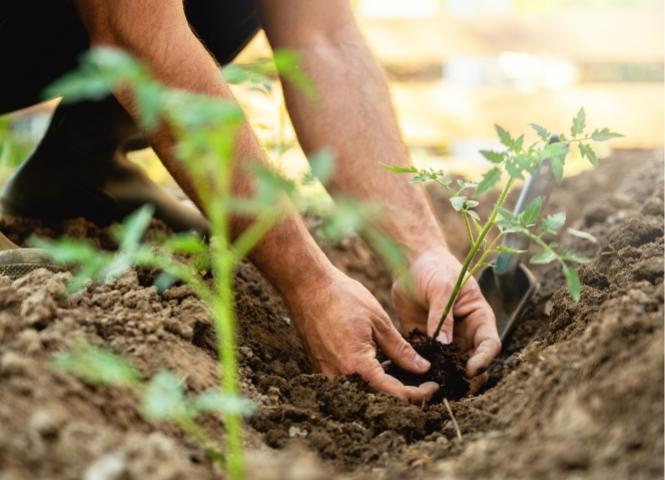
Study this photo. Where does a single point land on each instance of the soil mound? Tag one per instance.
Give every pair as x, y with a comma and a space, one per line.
578, 393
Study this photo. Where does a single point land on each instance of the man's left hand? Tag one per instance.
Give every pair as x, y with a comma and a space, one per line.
421, 296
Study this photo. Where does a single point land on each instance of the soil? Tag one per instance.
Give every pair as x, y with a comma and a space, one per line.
578, 392
448, 367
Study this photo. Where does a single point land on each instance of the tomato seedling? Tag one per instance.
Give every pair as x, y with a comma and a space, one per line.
513, 163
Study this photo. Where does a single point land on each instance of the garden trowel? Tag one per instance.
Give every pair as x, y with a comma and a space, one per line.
508, 284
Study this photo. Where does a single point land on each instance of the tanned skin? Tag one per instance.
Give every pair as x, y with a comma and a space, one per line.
340, 322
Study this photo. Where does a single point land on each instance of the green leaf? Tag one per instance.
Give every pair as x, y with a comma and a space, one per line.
492, 156
322, 165
602, 135
470, 204
134, 227
387, 248
542, 132
458, 202
474, 215
579, 123
504, 136
582, 235
509, 250
97, 366
531, 213
346, 218
573, 282
542, 258
570, 256
187, 243
288, 64
588, 153
552, 223
214, 401
490, 179
164, 398
400, 169
149, 101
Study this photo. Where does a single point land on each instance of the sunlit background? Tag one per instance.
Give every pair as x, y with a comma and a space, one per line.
457, 67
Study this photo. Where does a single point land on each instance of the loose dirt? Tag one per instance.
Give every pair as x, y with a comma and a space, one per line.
578, 393
447, 370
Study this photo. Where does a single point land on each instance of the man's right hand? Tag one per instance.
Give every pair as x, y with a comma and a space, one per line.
341, 324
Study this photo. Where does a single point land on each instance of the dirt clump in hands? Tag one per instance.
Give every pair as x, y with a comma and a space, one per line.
447, 370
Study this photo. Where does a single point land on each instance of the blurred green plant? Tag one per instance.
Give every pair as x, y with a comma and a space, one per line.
205, 129
514, 163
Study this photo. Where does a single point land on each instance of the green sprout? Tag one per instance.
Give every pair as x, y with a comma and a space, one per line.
514, 162
205, 129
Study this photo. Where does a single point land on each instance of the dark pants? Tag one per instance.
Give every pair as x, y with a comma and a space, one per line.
40, 40
79, 168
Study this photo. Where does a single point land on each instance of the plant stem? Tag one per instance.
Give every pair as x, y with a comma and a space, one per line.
462, 279
469, 233
222, 309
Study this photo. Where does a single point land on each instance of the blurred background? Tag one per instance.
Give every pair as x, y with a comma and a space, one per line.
457, 67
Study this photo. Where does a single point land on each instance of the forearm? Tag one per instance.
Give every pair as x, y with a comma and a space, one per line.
355, 118
287, 255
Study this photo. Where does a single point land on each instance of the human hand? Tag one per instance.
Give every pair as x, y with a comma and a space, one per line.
341, 324
420, 297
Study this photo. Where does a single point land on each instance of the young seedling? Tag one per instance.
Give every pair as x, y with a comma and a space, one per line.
205, 129
514, 163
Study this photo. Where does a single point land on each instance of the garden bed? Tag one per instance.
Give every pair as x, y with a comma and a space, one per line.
577, 393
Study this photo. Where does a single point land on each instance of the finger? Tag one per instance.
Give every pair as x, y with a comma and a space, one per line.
446, 334
381, 381
398, 349
476, 383
486, 351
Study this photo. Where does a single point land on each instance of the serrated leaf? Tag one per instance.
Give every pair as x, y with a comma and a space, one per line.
552, 223
579, 123
570, 256
215, 401
531, 213
470, 204
573, 282
514, 169
542, 258
490, 179
400, 169
464, 184
542, 132
474, 215
588, 153
602, 135
97, 366
583, 235
492, 156
163, 397
504, 136
509, 250
458, 202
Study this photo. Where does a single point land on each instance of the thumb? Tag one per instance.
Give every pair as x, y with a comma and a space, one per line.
399, 350
436, 310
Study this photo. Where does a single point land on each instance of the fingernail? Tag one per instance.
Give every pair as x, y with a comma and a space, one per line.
443, 338
422, 363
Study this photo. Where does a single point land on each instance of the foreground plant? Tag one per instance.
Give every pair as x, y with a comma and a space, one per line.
205, 129
514, 163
